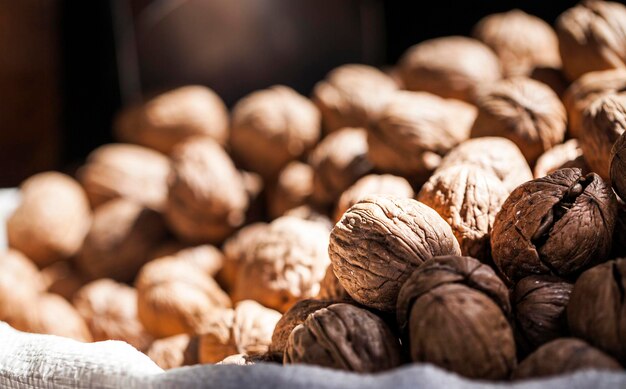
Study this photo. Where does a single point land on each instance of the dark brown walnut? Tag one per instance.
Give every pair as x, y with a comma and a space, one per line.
539, 310
20, 285
51, 220
344, 337
451, 67
568, 154
596, 311
523, 110
63, 278
171, 117
454, 311
591, 37
293, 188
493, 154
331, 289
207, 197
562, 356
378, 243
280, 124
468, 198
338, 161
560, 224
120, 240
617, 167
235, 249
174, 351
521, 41
413, 132
603, 122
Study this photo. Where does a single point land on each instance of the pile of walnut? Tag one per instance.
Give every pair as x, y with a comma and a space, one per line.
462, 210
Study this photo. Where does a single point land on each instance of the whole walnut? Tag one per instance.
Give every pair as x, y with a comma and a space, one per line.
20, 285
603, 122
344, 337
562, 356
378, 243
63, 278
280, 124
568, 154
284, 264
617, 167
120, 240
207, 197
174, 351
245, 330
539, 304
235, 252
591, 37
124, 170
352, 96
331, 289
560, 224
52, 219
293, 188
468, 198
171, 117
596, 310
523, 110
110, 311
494, 154
451, 67
338, 161
521, 41
454, 311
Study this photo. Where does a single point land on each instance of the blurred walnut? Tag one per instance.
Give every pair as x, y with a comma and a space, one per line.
207, 197
617, 168
293, 188
380, 241
591, 37
560, 224
521, 41
171, 117
235, 252
454, 311
451, 67
523, 110
52, 219
174, 351
311, 213
568, 154
331, 289
63, 278
20, 285
352, 96
272, 127
344, 337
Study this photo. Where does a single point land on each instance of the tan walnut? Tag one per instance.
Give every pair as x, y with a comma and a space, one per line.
174, 351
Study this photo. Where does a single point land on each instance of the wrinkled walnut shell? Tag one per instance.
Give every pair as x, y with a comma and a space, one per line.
235, 249
568, 154
174, 351
293, 188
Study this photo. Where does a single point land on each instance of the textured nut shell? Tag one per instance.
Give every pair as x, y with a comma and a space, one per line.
279, 122
20, 285
174, 351
380, 241
451, 67
62, 278
523, 110
171, 117
617, 168
235, 249
293, 188
345, 337
331, 289
123, 170
52, 219
568, 154
207, 198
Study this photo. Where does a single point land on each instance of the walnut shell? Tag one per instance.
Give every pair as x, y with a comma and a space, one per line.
331, 289
451, 67
235, 252
123, 170
20, 285
523, 110
560, 224
171, 117
344, 337
293, 188
174, 351
380, 241
617, 168
591, 37
207, 198
521, 41
63, 278
568, 154
52, 219
280, 123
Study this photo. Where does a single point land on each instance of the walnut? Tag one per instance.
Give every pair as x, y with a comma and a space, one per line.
247, 329
280, 123
380, 241
235, 252
331, 289
120, 240
454, 310
285, 263
352, 95
591, 37
451, 67
560, 224
171, 117
562, 356
523, 110
63, 278
568, 154
20, 285
617, 166
345, 337
338, 161
521, 41
52, 219
293, 188
110, 311
207, 198
174, 351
